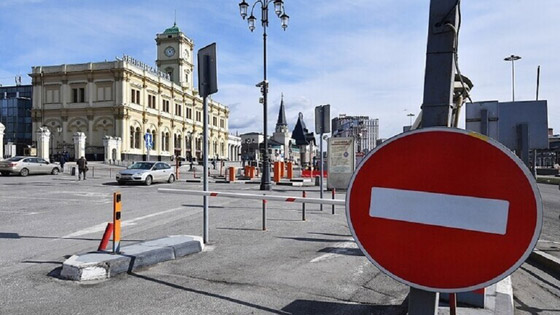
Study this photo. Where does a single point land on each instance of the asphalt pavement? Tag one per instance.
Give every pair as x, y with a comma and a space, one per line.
294, 267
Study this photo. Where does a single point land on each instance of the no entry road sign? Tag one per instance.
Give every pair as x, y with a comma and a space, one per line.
444, 210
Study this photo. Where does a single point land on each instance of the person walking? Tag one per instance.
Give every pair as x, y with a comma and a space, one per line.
82, 167
62, 162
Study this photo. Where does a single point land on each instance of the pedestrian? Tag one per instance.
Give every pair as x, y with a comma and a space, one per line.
62, 161
82, 167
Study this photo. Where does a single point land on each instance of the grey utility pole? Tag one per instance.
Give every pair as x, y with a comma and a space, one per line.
437, 103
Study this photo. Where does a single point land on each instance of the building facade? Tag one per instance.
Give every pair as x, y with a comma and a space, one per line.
15, 115
364, 130
124, 99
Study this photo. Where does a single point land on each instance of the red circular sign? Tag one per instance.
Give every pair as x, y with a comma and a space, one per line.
444, 210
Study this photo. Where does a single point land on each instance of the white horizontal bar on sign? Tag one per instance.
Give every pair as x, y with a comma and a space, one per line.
452, 211
336, 202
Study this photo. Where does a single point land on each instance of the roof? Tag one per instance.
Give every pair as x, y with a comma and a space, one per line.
172, 30
301, 134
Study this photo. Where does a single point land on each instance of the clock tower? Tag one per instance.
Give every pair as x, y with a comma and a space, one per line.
175, 56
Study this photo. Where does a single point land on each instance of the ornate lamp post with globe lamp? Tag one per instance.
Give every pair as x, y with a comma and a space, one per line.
279, 10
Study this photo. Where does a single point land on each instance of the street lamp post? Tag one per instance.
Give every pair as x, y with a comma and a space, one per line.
279, 10
512, 58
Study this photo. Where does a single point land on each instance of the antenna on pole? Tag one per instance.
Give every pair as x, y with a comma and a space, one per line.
175, 19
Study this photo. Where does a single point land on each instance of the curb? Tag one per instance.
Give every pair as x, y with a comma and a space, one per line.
546, 260
103, 265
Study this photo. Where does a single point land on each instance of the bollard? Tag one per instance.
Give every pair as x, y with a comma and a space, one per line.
277, 172
110, 173
92, 172
290, 170
231, 173
333, 193
264, 215
106, 237
116, 222
303, 207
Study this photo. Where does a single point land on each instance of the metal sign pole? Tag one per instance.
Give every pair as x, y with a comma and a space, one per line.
437, 103
321, 168
205, 168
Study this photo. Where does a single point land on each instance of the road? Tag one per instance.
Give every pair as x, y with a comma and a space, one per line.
294, 267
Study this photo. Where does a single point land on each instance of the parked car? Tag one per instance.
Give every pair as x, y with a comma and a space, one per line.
25, 165
146, 172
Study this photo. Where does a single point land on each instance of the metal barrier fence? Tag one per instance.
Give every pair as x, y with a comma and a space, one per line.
303, 200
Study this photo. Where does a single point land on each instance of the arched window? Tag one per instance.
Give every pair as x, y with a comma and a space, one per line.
222, 152
154, 139
137, 136
167, 141
132, 137
178, 143
162, 141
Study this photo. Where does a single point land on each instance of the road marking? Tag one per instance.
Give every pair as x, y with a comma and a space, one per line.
101, 227
452, 211
338, 249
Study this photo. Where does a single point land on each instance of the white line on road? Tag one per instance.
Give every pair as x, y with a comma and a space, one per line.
101, 227
452, 211
339, 249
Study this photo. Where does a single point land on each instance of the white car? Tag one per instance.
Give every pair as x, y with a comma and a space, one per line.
25, 165
146, 172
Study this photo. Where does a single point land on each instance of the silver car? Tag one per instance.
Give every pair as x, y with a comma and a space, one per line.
25, 165
146, 172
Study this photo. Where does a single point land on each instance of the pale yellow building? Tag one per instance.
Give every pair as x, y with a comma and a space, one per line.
124, 99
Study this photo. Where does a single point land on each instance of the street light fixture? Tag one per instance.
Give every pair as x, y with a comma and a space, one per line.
279, 10
512, 58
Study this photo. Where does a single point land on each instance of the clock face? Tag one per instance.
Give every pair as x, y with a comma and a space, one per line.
169, 51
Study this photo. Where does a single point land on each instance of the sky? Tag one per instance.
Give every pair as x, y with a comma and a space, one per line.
363, 57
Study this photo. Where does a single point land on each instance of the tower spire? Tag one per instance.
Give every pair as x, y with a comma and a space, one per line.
281, 114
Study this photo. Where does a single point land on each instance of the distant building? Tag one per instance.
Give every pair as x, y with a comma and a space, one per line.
364, 130
234, 147
250, 147
281, 141
305, 140
120, 101
15, 115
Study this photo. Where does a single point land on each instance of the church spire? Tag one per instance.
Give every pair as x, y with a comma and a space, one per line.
281, 114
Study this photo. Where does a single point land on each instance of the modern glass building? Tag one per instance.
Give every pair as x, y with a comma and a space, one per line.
15, 115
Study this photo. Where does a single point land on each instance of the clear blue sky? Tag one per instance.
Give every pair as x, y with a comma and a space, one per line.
364, 57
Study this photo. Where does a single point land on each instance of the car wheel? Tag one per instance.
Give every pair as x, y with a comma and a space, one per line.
54, 171
148, 181
171, 179
24, 172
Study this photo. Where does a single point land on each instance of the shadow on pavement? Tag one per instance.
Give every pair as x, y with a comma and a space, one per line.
323, 307
308, 239
342, 251
214, 295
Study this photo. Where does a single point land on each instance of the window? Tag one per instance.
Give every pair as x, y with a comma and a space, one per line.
132, 137
78, 95
135, 96
53, 95
104, 93
153, 139
222, 123
165, 106
165, 141
151, 101
137, 136
189, 113
214, 121
178, 109
198, 116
